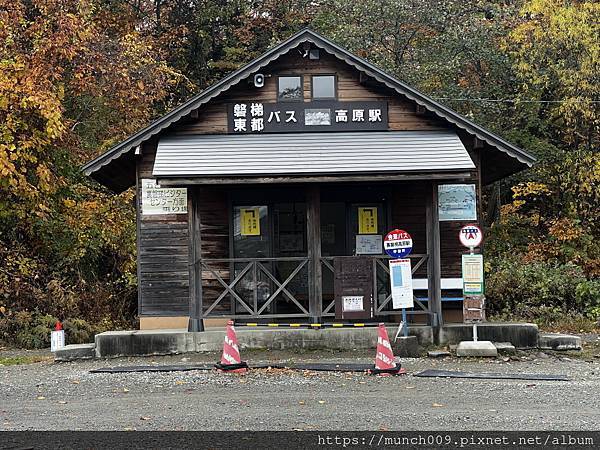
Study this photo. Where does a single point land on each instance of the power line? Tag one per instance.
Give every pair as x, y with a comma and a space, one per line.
494, 100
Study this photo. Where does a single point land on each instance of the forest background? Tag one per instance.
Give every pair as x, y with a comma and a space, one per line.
78, 76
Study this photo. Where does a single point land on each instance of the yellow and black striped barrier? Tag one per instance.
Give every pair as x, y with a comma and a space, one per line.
307, 325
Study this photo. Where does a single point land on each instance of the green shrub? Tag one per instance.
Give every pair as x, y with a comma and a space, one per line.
539, 290
31, 329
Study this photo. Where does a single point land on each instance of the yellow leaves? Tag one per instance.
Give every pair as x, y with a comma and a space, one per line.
556, 51
530, 189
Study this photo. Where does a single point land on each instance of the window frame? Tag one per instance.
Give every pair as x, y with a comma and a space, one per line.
291, 75
335, 86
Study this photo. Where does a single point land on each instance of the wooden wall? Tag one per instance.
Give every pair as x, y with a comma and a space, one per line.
162, 240
402, 113
214, 231
162, 254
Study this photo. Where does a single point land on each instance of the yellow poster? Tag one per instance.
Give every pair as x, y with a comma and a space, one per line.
250, 218
367, 220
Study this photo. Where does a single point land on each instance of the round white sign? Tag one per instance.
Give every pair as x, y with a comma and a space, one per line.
470, 236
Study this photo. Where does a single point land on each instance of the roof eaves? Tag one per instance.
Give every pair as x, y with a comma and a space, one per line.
423, 100
193, 103
353, 60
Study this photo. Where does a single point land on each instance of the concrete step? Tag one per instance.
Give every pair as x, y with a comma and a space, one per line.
505, 348
559, 342
521, 335
476, 349
73, 352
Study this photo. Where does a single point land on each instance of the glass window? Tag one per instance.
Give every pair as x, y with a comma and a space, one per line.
290, 88
323, 86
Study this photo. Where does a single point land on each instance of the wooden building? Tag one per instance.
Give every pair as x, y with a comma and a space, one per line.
264, 195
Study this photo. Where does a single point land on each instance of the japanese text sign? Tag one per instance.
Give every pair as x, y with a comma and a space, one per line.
367, 220
472, 274
401, 283
250, 221
158, 200
289, 117
397, 244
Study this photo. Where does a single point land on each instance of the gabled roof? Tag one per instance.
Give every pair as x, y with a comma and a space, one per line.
99, 168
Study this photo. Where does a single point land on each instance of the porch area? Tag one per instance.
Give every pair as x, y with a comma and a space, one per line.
281, 252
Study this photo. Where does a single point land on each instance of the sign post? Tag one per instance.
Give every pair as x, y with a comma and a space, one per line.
472, 274
473, 292
398, 245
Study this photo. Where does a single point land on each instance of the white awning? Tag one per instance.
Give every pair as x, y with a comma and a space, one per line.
310, 153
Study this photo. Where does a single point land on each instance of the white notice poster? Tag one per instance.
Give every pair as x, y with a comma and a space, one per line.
353, 303
158, 200
369, 244
401, 283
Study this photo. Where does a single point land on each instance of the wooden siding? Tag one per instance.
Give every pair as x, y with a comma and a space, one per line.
163, 240
214, 231
403, 115
162, 254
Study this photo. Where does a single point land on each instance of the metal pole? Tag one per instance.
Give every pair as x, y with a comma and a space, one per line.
474, 332
405, 328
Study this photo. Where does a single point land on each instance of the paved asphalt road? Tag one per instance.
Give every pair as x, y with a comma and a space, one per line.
65, 396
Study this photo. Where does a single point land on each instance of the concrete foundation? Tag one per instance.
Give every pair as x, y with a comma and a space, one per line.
559, 342
505, 348
74, 352
521, 335
476, 349
164, 342
406, 347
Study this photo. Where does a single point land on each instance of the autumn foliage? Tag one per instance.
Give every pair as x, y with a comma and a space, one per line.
77, 76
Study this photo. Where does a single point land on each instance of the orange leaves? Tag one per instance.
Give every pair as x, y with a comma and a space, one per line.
564, 229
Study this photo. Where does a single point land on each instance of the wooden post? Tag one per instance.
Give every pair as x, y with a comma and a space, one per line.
434, 290
196, 323
315, 278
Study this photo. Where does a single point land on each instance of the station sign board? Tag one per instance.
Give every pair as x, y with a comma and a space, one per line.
470, 236
472, 274
255, 117
397, 244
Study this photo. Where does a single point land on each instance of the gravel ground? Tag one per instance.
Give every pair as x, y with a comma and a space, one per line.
65, 396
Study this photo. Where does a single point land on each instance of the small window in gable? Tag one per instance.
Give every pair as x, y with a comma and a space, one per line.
289, 88
323, 87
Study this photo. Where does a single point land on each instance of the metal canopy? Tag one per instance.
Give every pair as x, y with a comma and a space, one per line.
310, 153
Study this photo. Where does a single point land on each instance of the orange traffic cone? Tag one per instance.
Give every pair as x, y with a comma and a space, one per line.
384, 359
230, 360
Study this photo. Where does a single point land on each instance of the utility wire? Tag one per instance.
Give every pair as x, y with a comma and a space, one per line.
493, 100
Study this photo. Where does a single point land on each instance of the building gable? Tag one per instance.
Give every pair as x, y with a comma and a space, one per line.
357, 80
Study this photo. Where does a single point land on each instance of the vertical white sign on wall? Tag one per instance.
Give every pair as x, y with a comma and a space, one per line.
401, 283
